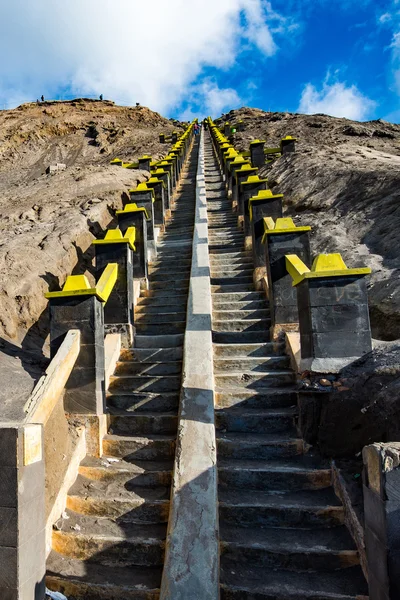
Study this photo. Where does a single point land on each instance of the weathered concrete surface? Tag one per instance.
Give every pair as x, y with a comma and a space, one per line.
192, 555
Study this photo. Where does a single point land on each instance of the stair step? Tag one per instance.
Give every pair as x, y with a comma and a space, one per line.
255, 399
153, 308
138, 474
145, 318
144, 402
142, 383
136, 423
240, 315
149, 447
225, 351
92, 581
241, 337
152, 355
253, 446
104, 498
152, 329
241, 325
156, 369
304, 509
274, 420
252, 583
249, 379
104, 541
248, 363
290, 549
159, 341
273, 476
238, 296
239, 288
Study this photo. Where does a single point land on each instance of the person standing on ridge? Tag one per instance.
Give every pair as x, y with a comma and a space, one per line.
42, 98
101, 97
196, 129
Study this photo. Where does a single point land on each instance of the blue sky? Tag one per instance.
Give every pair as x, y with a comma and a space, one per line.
207, 56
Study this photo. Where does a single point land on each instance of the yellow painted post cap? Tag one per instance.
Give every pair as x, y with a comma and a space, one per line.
78, 285
115, 236
282, 225
132, 207
324, 265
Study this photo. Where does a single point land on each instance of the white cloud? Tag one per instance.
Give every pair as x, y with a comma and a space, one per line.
337, 100
385, 18
212, 99
126, 49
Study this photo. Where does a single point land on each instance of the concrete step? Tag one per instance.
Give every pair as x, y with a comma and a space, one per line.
153, 318
169, 289
135, 423
247, 364
255, 399
252, 583
157, 369
267, 420
240, 338
295, 474
229, 271
162, 307
222, 247
238, 279
151, 299
220, 306
249, 379
110, 500
223, 351
229, 288
230, 263
242, 325
168, 275
152, 355
143, 383
92, 581
240, 315
170, 283
141, 473
104, 541
238, 296
289, 549
157, 329
256, 446
159, 341
150, 447
304, 509
230, 255
144, 402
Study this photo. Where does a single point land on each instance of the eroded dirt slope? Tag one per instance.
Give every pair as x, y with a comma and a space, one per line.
344, 181
47, 222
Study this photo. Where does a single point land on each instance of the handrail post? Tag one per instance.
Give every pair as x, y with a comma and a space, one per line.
280, 238
118, 310
264, 204
144, 197
248, 188
137, 217
257, 153
333, 312
85, 390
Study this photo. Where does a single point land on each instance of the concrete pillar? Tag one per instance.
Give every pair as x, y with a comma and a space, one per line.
234, 165
265, 204
247, 189
159, 204
164, 176
133, 216
174, 137
333, 312
118, 310
162, 138
227, 128
257, 154
381, 513
144, 197
241, 174
22, 512
168, 165
281, 238
288, 144
78, 306
144, 163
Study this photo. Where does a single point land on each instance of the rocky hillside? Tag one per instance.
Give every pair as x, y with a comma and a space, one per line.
344, 180
47, 222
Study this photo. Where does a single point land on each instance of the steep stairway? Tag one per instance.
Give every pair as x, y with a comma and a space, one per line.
110, 545
282, 535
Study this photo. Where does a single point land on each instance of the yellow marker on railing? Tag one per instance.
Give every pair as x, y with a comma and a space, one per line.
115, 236
324, 265
116, 161
78, 285
142, 188
132, 207
282, 225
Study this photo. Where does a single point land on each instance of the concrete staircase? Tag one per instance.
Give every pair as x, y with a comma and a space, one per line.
110, 545
282, 535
